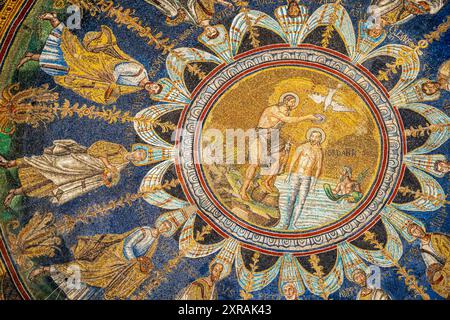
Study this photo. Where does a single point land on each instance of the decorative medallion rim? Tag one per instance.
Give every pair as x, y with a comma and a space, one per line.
306, 241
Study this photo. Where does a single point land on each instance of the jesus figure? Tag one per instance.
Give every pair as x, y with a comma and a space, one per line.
304, 170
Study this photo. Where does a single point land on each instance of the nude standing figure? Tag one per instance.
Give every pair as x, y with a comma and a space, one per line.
303, 177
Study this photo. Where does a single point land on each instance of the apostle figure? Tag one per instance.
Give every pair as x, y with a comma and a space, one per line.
304, 171
204, 11
96, 69
385, 13
68, 170
203, 288
117, 263
366, 293
442, 82
435, 250
197, 12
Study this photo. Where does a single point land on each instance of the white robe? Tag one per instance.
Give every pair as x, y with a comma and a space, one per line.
378, 294
435, 5
444, 74
68, 166
130, 74
138, 243
170, 8
386, 6
428, 254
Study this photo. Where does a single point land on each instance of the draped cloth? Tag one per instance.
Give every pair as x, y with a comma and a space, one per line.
440, 244
435, 5
200, 289
196, 10
413, 93
68, 170
168, 7
204, 9
101, 263
375, 294
51, 59
394, 12
444, 75
92, 65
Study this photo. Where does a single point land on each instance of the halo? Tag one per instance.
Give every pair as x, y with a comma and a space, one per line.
297, 99
311, 130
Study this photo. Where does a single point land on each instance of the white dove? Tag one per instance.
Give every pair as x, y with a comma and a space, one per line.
329, 102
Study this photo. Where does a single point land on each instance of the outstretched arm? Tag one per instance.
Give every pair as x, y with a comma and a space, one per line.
107, 164
337, 189
287, 119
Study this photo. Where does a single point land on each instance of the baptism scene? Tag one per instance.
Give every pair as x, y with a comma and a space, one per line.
224, 150
341, 164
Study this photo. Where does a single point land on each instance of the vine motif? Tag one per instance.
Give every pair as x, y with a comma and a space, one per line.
160, 276
428, 129
417, 194
31, 106
68, 223
410, 281
314, 260
404, 54
252, 31
38, 106
245, 293
328, 32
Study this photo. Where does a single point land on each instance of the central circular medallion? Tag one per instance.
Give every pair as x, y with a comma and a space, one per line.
259, 146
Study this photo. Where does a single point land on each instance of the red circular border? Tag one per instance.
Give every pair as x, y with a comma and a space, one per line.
291, 235
4, 50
